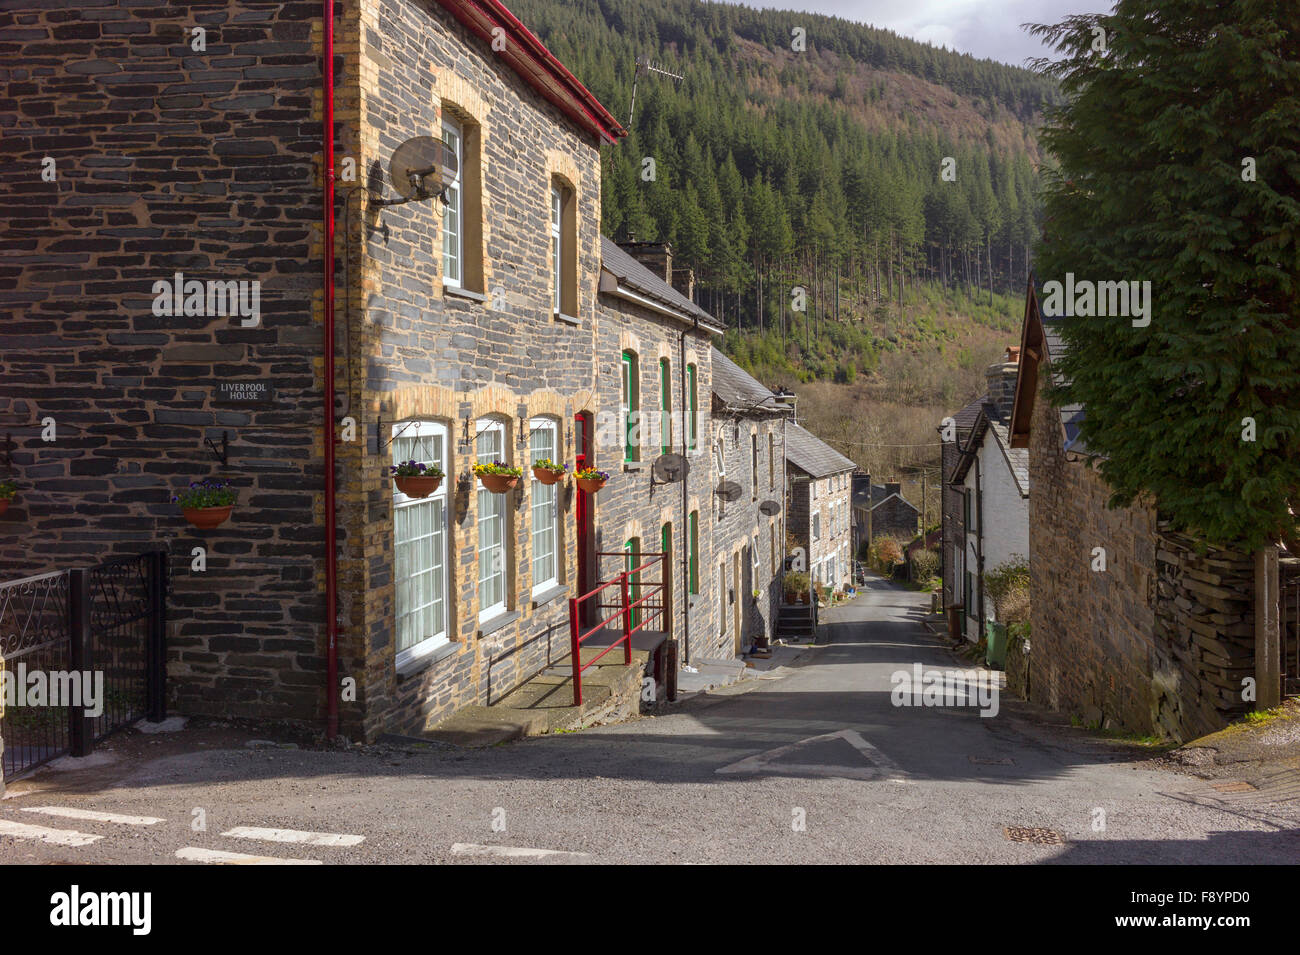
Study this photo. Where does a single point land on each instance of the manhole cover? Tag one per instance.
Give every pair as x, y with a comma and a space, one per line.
992, 760
1039, 837
1233, 786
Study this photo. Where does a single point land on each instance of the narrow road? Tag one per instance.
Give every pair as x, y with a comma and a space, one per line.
817, 767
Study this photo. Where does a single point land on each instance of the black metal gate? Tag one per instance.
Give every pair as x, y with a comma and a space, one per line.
1289, 624
98, 635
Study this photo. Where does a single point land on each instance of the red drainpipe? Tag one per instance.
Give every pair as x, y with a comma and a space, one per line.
331, 569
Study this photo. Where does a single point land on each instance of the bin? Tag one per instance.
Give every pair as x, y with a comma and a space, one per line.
995, 634
954, 621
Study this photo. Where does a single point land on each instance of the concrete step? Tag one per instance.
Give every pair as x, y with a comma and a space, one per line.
544, 704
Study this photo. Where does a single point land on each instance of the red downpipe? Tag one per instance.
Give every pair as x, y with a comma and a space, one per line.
331, 568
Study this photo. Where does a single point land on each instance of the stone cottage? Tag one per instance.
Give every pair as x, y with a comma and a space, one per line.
881, 510
819, 523
992, 479
750, 425
1134, 627
478, 315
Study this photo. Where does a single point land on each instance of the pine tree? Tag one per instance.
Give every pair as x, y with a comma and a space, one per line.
1155, 146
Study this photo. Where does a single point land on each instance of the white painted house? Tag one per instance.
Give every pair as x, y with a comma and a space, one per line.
993, 479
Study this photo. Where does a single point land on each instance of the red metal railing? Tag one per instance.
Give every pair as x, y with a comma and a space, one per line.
646, 604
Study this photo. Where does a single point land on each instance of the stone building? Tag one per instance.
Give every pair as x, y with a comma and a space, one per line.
1134, 626
481, 318
993, 480
750, 425
953, 506
819, 522
881, 510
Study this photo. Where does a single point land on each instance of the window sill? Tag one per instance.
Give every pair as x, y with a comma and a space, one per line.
499, 622
549, 595
458, 292
413, 667
567, 319
633, 465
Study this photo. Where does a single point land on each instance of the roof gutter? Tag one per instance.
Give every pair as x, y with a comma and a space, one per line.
611, 286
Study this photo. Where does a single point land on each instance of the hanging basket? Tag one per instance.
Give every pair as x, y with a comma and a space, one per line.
591, 485
498, 483
206, 518
547, 476
417, 486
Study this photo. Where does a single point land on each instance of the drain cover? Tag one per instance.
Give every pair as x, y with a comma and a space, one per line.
1233, 786
1039, 837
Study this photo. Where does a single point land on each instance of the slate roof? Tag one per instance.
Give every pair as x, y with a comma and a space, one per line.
1017, 459
812, 455
1071, 415
740, 390
634, 276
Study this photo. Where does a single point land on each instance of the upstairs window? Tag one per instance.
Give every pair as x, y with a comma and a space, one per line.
771, 461
564, 250
630, 407
665, 406
753, 467
817, 527
693, 418
453, 214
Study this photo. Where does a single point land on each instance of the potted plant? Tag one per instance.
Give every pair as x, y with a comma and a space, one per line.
591, 480
549, 472
498, 477
206, 504
8, 489
416, 480
795, 584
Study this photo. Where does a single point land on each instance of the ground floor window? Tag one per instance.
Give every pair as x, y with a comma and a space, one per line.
545, 512
490, 445
420, 532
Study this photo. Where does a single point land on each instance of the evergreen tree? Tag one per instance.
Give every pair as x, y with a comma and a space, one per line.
1155, 146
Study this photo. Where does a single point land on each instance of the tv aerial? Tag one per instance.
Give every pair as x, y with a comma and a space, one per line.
421, 168
729, 491
646, 65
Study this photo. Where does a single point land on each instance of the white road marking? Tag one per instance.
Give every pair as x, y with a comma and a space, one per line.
55, 837
880, 766
195, 854
520, 852
93, 816
295, 835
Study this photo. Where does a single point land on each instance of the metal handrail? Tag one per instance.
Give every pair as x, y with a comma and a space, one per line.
623, 610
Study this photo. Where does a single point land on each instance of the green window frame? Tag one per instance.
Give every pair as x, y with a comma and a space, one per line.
693, 398
632, 550
631, 407
694, 536
665, 406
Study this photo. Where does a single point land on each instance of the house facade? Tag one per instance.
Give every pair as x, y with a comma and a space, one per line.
881, 510
1134, 626
953, 503
749, 450
820, 523
483, 319
992, 479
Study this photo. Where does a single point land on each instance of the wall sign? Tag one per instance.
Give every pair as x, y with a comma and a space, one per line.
244, 393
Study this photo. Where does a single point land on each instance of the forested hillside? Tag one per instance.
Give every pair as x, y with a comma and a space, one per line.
774, 167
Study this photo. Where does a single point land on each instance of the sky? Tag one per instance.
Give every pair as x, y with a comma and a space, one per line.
983, 28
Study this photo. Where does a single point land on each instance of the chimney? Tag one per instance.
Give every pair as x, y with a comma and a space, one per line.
655, 256
893, 488
684, 282
1001, 380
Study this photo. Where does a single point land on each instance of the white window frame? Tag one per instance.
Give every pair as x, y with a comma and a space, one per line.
455, 207
485, 500
817, 527
557, 247
423, 431
538, 495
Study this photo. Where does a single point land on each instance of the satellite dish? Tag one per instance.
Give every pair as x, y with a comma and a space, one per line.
729, 490
769, 508
671, 468
422, 167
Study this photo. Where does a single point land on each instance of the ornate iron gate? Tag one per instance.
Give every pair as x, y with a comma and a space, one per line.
105, 622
